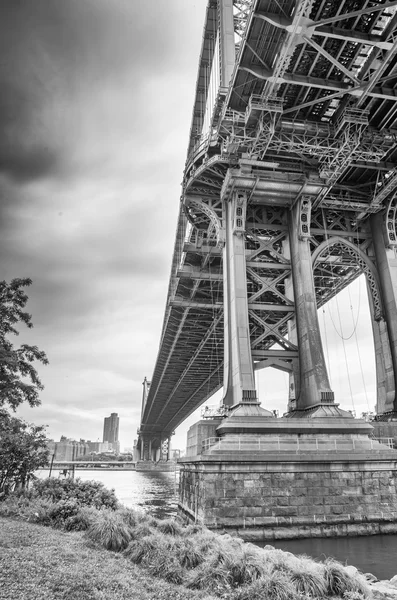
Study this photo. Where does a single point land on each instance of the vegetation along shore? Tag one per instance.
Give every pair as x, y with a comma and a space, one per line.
93, 548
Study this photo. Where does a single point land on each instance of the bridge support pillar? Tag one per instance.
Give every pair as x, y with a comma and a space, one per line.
239, 378
314, 387
385, 331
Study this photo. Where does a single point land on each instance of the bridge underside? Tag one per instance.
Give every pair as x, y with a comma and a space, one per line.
289, 194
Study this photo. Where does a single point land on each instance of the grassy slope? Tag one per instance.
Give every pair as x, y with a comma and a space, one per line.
41, 563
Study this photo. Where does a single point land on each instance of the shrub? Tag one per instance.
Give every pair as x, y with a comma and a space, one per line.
62, 510
85, 517
38, 511
110, 531
86, 493
11, 505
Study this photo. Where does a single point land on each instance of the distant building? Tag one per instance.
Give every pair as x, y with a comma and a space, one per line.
111, 431
99, 447
67, 450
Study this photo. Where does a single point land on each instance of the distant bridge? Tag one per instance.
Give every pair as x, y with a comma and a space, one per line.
289, 194
92, 466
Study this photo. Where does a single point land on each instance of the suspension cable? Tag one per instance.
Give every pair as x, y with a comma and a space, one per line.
326, 346
339, 317
359, 357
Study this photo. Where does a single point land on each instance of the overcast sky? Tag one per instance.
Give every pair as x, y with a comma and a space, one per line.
95, 107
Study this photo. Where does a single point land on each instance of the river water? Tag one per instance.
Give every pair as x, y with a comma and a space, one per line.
157, 493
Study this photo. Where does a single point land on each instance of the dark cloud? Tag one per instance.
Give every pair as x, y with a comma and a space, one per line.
95, 106
57, 57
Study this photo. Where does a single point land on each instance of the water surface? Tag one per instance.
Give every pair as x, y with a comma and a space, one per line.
376, 554
152, 492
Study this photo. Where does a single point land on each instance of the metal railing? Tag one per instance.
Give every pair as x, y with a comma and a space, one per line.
293, 445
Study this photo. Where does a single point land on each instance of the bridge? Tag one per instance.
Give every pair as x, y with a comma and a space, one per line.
91, 465
289, 194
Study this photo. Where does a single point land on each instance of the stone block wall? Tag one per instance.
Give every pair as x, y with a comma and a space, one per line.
297, 498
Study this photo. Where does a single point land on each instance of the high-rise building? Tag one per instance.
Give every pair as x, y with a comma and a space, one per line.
111, 431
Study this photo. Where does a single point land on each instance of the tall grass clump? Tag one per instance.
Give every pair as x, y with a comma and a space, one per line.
309, 583
170, 527
162, 562
82, 520
145, 548
211, 575
188, 553
245, 566
339, 581
142, 530
110, 531
272, 586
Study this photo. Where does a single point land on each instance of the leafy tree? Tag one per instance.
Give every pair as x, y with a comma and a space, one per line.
19, 381
23, 450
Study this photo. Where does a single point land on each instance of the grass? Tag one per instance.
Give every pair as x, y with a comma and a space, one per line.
110, 531
339, 581
192, 558
41, 563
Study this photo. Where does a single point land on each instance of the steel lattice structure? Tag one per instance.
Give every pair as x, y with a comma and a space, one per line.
305, 115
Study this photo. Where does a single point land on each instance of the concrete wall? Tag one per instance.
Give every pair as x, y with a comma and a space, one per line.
385, 429
202, 430
291, 499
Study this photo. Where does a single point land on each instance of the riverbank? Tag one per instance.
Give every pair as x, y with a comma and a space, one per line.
48, 564
192, 558
51, 564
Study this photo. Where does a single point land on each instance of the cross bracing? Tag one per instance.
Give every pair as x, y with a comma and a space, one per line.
309, 115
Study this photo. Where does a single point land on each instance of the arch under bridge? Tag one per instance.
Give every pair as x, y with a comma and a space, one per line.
289, 194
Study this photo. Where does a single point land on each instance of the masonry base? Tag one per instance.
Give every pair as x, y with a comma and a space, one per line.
297, 496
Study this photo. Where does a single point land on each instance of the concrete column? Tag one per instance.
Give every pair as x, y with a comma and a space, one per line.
314, 383
239, 378
294, 376
169, 449
144, 448
383, 360
137, 452
386, 263
150, 457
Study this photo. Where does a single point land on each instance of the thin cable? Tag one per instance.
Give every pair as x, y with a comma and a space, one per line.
359, 359
347, 364
351, 308
326, 347
339, 317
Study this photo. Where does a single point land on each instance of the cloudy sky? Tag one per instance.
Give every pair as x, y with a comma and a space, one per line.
95, 108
